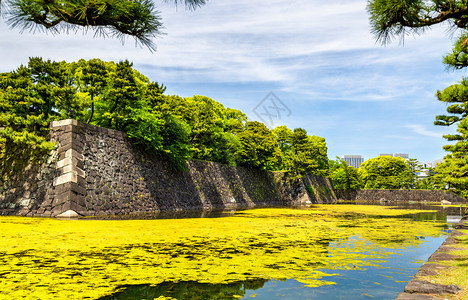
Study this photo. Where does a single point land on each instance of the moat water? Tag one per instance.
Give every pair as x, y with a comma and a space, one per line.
322, 252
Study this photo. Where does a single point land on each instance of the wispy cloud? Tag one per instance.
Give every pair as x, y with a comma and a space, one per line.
318, 56
420, 129
297, 43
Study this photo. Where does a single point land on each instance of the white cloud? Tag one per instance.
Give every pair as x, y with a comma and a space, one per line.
420, 129
319, 56
239, 41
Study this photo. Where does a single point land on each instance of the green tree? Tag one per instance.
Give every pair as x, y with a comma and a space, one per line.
113, 95
393, 18
123, 98
386, 172
116, 96
344, 177
92, 77
30, 98
415, 168
174, 131
136, 18
456, 95
454, 170
433, 182
259, 147
308, 154
396, 18
283, 137
214, 128
206, 119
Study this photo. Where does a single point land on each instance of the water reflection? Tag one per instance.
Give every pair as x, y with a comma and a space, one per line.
191, 214
189, 290
451, 213
384, 281
303, 252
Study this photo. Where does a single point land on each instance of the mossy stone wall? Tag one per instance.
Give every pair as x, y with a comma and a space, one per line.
399, 195
98, 171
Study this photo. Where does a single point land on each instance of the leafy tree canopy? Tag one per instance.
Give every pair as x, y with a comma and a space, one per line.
119, 18
259, 147
393, 18
396, 18
344, 177
386, 172
308, 153
116, 96
113, 95
454, 169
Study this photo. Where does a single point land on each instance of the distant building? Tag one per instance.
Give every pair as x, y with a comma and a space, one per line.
436, 162
353, 160
386, 155
427, 165
424, 173
426, 169
402, 155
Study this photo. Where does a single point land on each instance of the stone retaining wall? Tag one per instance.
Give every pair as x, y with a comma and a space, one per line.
98, 171
399, 195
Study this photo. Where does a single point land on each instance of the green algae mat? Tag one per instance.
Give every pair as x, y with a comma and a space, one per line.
89, 259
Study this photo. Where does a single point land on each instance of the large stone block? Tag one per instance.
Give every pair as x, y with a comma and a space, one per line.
64, 123
71, 169
71, 153
66, 145
66, 178
68, 214
70, 186
75, 207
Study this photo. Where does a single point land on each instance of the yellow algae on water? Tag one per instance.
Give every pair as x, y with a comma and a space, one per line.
76, 259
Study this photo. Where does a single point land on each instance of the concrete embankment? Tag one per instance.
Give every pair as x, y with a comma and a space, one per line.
98, 171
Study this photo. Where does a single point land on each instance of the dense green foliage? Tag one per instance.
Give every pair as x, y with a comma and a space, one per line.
259, 147
116, 96
30, 98
344, 177
300, 152
386, 172
454, 170
391, 18
138, 19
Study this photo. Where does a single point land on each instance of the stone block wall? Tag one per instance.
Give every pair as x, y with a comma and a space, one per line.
400, 195
99, 171
69, 183
26, 193
122, 177
311, 189
46, 189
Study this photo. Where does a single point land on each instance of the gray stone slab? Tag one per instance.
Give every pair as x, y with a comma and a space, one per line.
430, 269
445, 248
64, 123
441, 256
406, 296
425, 287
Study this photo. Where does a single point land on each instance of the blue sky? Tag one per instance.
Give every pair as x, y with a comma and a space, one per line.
318, 57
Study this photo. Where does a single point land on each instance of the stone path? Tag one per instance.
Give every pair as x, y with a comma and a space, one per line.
420, 289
